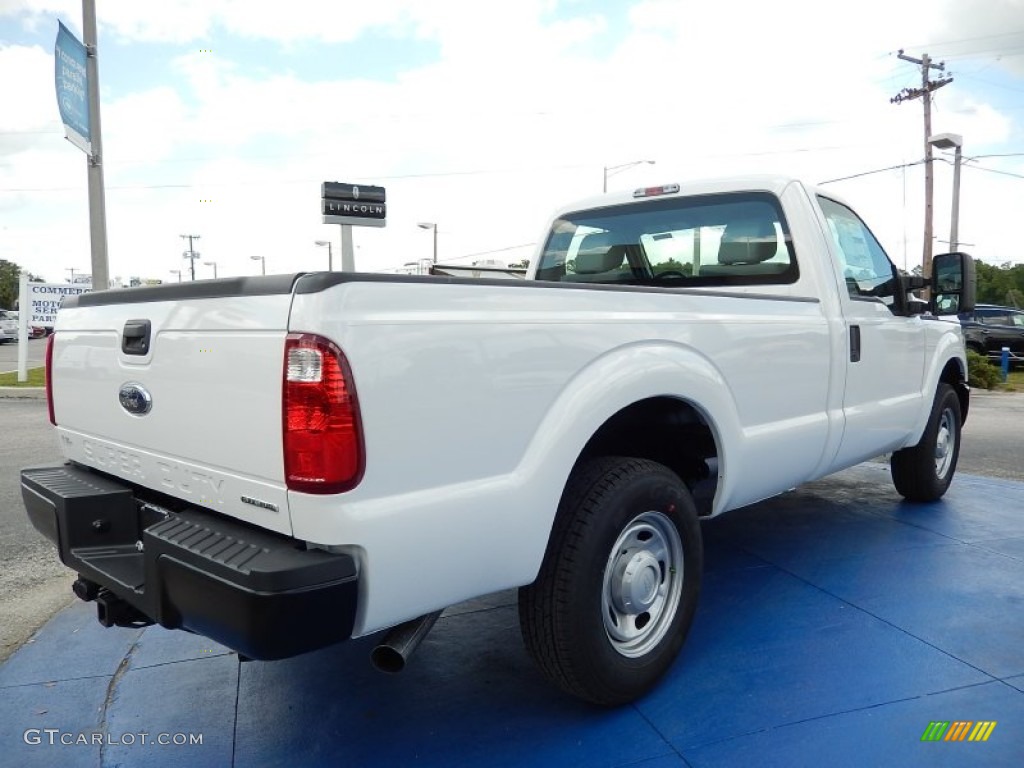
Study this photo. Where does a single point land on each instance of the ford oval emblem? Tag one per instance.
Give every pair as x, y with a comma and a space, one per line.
135, 399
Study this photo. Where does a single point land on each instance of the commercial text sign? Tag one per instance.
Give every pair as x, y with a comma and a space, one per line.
45, 299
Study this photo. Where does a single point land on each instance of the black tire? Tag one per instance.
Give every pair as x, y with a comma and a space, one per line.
611, 607
924, 472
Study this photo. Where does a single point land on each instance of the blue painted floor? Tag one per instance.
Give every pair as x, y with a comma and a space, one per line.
835, 624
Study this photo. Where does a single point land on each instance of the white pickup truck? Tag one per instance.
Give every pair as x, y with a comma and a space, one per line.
284, 462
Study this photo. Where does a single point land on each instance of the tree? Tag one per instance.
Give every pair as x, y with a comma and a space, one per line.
9, 273
1000, 285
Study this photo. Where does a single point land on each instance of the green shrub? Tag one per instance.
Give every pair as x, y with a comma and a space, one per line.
981, 373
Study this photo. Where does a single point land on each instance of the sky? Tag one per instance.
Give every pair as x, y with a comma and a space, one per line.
221, 118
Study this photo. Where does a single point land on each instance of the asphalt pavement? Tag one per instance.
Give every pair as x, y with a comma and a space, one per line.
993, 438
33, 582
9, 355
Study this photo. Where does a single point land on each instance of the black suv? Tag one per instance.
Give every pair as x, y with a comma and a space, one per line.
989, 328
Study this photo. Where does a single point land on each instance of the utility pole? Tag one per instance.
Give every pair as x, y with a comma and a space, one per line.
191, 254
925, 93
97, 200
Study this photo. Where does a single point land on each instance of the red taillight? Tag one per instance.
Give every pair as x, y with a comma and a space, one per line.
49, 377
323, 439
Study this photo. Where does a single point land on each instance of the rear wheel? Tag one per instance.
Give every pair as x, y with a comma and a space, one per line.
924, 472
618, 588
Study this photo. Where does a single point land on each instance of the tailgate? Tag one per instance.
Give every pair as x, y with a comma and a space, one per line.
212, 375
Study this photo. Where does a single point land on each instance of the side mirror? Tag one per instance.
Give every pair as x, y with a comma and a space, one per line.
953, 284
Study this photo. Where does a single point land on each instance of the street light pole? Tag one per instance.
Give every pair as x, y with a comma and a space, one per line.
954, 226
212, 264
263, 262
616, 168
330, 257
72, 271
177, 272
952, 141
433, 226
191, 253
97, 193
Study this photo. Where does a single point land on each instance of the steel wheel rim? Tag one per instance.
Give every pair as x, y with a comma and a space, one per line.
945, 442
642, 585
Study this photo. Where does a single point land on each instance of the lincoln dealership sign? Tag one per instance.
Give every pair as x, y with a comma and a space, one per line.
352, 204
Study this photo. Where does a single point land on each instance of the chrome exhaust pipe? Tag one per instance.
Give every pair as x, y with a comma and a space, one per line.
399, 644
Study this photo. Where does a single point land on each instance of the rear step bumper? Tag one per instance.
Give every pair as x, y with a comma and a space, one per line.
259, 593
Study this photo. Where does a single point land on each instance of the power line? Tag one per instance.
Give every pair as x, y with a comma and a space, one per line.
996, 53
991, 170
252, 183
998, 154
869, 173
967, 164
992, 83
487, 253
969, 39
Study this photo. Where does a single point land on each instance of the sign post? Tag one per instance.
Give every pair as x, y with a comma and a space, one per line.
23, 327
352, 205
76, 72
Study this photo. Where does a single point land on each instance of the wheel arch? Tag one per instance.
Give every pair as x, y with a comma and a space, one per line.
603, 409
670, 431
947, 364
954, 373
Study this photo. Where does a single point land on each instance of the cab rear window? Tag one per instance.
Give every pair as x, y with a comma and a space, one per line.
739, 239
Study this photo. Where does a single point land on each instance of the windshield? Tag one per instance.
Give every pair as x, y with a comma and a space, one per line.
739, 239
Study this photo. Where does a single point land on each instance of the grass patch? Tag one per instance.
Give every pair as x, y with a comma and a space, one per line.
1014, 383
36, 378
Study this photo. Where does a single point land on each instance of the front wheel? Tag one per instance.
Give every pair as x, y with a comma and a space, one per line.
924, 472
618, 587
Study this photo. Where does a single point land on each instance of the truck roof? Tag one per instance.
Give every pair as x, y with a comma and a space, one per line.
750, 182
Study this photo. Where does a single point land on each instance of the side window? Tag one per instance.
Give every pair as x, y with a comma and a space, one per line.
994, 317
866, 267
1017, 319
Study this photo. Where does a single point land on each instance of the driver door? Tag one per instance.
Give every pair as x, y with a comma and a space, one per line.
885, 347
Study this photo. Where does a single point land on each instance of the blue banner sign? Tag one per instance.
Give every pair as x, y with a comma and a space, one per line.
72, 88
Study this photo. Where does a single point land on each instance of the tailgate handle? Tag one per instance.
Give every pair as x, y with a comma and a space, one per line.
135, 339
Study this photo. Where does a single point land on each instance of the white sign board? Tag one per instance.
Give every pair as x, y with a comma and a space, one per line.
45, 299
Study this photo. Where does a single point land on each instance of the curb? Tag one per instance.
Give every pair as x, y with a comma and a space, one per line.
23, 393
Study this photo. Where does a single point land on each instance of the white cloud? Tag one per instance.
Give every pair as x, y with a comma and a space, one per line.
516, 115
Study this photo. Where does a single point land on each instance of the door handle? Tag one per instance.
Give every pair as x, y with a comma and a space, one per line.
854, 343
135, 338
